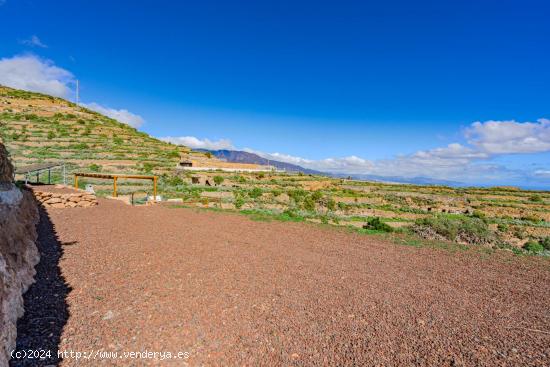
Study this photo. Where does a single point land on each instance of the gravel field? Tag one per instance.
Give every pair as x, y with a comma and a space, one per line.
231, 291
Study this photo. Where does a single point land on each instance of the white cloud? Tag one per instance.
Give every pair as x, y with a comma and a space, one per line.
542, 173
351, 164
197, 143
34, 41
121, 115
509, 137
32, 73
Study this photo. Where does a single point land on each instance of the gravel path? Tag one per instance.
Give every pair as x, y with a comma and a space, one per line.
231, 291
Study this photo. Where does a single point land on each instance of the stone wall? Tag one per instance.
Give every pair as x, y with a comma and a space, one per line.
66, 200
18, 257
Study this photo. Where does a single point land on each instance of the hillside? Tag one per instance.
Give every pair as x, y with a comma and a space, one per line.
38, 128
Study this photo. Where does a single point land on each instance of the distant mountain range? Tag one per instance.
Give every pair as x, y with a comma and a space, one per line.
238, 156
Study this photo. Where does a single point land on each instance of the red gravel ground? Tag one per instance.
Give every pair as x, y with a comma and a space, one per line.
231, 291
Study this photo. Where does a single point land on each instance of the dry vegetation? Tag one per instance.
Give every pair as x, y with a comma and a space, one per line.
38, 128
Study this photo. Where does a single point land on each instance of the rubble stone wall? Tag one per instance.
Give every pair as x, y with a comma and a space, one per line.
72, 200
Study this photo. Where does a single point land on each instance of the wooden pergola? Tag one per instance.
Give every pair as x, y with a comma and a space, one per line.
115, 177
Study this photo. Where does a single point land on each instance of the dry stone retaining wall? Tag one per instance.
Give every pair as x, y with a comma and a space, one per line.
67, 200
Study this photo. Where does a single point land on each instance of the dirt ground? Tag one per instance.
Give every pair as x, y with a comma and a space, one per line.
231, 291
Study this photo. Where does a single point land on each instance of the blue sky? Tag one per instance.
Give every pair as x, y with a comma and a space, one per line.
354, 86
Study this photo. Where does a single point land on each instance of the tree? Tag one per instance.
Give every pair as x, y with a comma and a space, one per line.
218, 180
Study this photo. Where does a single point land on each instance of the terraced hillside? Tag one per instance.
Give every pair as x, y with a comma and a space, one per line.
39, 128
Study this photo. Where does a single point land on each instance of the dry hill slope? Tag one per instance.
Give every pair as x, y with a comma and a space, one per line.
39, 128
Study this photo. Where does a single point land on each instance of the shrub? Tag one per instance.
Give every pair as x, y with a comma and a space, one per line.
117, 140
173, 154
331, 204
471, 230
174, 181
147, 167
276, 192
502, 227
239, 202
94, 167
208, 155
531, 218
536, 198
255, 193
545, 242
534, 247
79, 146
309, 204
218, 180
317, 195
342, 206
478, 214
374, 223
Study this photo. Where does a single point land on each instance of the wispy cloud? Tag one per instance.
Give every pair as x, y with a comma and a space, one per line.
197, 143
33, 41
121, 115
32, 73
35, 74
467, 163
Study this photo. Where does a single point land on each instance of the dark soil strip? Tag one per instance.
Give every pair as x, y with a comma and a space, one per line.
46, 312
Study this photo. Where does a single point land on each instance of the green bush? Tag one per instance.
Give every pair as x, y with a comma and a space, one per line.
174, 181
534, 247
331, 204
545, 242
173, 154
147, 167
536, 198
317, 195
218, 180
472, 230
276, 192
118, 140
255, 193
478, 214
502, 227
94, 167
309, 204
239, 202
374, 223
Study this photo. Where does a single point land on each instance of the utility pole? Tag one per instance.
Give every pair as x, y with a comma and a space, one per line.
77, 91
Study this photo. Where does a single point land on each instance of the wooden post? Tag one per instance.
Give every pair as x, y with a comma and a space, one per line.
155, 189
75, 181
114, 186
49, 176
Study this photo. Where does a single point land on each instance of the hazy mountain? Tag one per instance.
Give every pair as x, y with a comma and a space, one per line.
238, 156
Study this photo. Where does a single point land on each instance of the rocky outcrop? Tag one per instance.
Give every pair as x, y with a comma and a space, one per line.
18, 254
67, 200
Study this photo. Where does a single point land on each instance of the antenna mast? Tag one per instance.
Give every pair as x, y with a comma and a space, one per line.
77, 91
